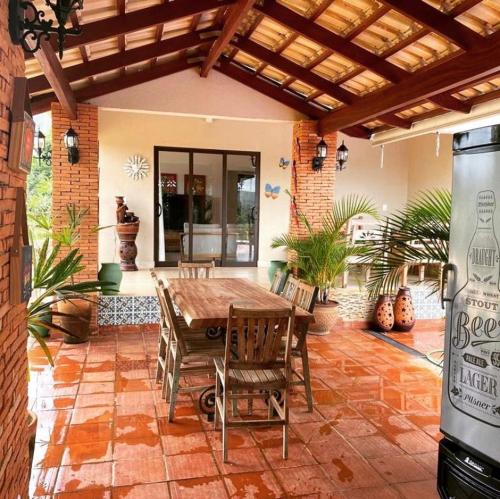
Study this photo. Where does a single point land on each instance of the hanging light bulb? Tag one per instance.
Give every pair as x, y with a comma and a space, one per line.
382, 156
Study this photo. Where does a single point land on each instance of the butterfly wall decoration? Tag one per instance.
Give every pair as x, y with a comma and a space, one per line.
284, 163
272, 192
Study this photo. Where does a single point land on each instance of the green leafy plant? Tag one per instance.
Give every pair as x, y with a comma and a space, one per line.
416, 235
323, 254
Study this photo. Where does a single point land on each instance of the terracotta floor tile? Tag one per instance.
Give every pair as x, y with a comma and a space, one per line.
197, 465
395, 469
99, 367
416, 442
82, 477
429, 461
417, 490
83, 415
238, 439
95, 400
182, 425
132, 385
310, 432
385, 492
374, 446
85, 494
135, 398
185, 444
146, 491
307, 480
89, 432
352, 472
133, 374
139, 448
49, 403
47, 455
298, 455
333, 447
253, 485
198, 488
139, 470
135, 426
356, 427
90, 452
242, 460
136, 410
42, 481
98, 376
51, 435
99, 387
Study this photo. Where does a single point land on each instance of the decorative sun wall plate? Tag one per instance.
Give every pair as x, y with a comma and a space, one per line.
137, 167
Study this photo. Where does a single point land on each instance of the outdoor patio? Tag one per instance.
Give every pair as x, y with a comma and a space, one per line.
103, 430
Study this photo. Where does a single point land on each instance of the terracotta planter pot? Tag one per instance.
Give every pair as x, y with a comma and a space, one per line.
79, 322
404, 313
383, 315
325, 318
32, 424
127, 234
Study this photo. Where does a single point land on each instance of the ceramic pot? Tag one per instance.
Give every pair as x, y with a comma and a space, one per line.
128, 250
110, 273
32, 424
43, 331
273, 267
383, 315
78, 321
404, 313
325, 318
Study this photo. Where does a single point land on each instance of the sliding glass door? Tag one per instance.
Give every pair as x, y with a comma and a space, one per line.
206, 206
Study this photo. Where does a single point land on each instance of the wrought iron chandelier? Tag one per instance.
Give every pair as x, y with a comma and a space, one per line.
28, 26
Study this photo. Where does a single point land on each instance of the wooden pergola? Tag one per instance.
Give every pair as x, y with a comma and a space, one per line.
360, 66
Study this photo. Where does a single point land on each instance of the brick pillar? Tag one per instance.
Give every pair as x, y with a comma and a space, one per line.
78, 183
314, 192
13, 335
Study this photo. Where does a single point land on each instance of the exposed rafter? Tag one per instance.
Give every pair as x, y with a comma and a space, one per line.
238, 11
42, 103
51, 66
479, 62
130, 57
436, 21
141, 19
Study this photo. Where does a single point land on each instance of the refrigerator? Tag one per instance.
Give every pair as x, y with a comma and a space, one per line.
469, 454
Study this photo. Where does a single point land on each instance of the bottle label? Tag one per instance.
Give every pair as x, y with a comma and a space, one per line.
474, 356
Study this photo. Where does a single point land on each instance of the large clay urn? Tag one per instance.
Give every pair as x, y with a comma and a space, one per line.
404, 313
127, 232
383, 315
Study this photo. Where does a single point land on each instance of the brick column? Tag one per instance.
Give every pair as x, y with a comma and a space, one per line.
78, 183
314, 192
13, 334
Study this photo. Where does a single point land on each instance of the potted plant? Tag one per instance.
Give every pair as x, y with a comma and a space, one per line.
323, 254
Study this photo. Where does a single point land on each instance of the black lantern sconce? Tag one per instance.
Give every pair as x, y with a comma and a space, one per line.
27, 24
342, 155
71, 143
42, 152
321, 153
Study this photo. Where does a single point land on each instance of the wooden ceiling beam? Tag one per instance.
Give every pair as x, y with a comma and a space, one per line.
396, 121
53, 71
295, 70
332, 41
42, 103
274, 92
446, 101
482, 60
141, 19
237, 13
128, 58
358, 131
436, 21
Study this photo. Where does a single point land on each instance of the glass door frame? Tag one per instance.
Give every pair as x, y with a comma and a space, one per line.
156, 203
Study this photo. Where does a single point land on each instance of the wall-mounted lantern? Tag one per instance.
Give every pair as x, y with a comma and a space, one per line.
342, 155
41, 152
321, 153
71, 143
28, 25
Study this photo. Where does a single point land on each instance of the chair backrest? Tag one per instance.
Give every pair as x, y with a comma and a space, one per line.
172, 319
256, 338
290, 288
305, 296
276, 284
188, 270
163, 318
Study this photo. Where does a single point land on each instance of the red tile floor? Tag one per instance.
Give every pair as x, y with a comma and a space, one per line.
103, 432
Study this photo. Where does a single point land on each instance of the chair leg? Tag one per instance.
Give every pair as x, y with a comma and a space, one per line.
270, 409
217, 396
224, 426
306, 374
285, 425
250, 404
174, 388
165, 390
234, 405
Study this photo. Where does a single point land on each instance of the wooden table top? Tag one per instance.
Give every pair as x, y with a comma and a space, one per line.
205, 302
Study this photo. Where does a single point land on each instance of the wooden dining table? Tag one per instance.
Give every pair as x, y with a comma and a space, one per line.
204, 303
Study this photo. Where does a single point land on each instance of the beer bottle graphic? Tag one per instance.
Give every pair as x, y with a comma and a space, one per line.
474, 311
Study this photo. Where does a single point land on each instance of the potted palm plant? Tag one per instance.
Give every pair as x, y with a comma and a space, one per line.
323, 255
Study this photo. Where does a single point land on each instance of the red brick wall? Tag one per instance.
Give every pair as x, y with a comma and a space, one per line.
13, 359
78, 183
314, 191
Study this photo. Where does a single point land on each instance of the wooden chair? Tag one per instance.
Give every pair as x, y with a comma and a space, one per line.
255, 366
189, 270
277, 280
290, 288
189, 353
